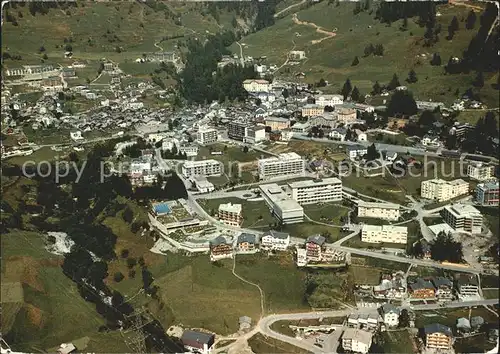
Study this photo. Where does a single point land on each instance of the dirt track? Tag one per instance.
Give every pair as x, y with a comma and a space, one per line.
329, 34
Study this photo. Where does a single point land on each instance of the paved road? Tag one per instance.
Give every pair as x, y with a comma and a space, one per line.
455, 304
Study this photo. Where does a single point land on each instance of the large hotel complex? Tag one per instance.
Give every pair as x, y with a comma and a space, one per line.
317, 191
441, 190
284, 165
387, 211
384, 233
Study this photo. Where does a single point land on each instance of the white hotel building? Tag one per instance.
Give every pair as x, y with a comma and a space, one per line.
463, 217
386, 211
316, 191
441, 190
205, 168
287, 210
384, 233
285, 164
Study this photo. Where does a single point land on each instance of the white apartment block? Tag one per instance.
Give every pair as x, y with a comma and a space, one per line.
463, 217
481, 172
189, 150
252, 85
205, 168
285, 164
441, 190
231, 214
384, 233
287, 210
274, 240
386, 211
329, 100
206, 136
316, 191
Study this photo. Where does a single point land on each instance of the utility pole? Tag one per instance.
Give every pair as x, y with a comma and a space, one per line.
136, 337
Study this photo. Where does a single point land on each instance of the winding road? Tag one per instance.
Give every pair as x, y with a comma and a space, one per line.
288, 8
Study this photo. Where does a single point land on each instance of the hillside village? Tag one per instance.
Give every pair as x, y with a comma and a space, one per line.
327, 220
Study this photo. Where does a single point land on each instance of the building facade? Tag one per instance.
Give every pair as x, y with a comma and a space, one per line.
386, 211
356, 340
316, 191
441, 190
252, 85
462, 217
236, 130
285, 164
312, 110
220, 248
231, 214
438, 336
487, 194
277, 123
329, 100
481, 172
207, 136
346, 115
384, 233
274, 240
205, 168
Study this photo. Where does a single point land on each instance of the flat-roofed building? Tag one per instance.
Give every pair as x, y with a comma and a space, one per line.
481, 172
287, 210
346, 115
206, 135
318, 190
441, 190
205, 168
387, 211
203, 185
312, 110
463, 217
254, 134
356, 340
384, 233
231, 214
236, 130
285, 164
487, 193
277, 123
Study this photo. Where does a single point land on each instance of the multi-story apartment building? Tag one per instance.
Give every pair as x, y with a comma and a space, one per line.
463, 217
189, 150
205, 168
274, 240
444, 288
441, 190
390, 315
254, 134
247, 243
487, 193
480, 171
346, 115
253, 85
315, 191
387, 211
220, 248
312, 110
438, 336
422, 289
384, 233
328, 120
467, 286
314, 247
285, 164
206, 135
277, 123
356, 340
231, 214
285, 209
329, 100
236, 130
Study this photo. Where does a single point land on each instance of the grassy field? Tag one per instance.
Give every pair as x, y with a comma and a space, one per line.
279, 278
474, 344
365, 275
379, 263
306, 229
397, 342
490, 293
403, 50
448, 317
261, 344
283, 326
255, 214
326, 212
